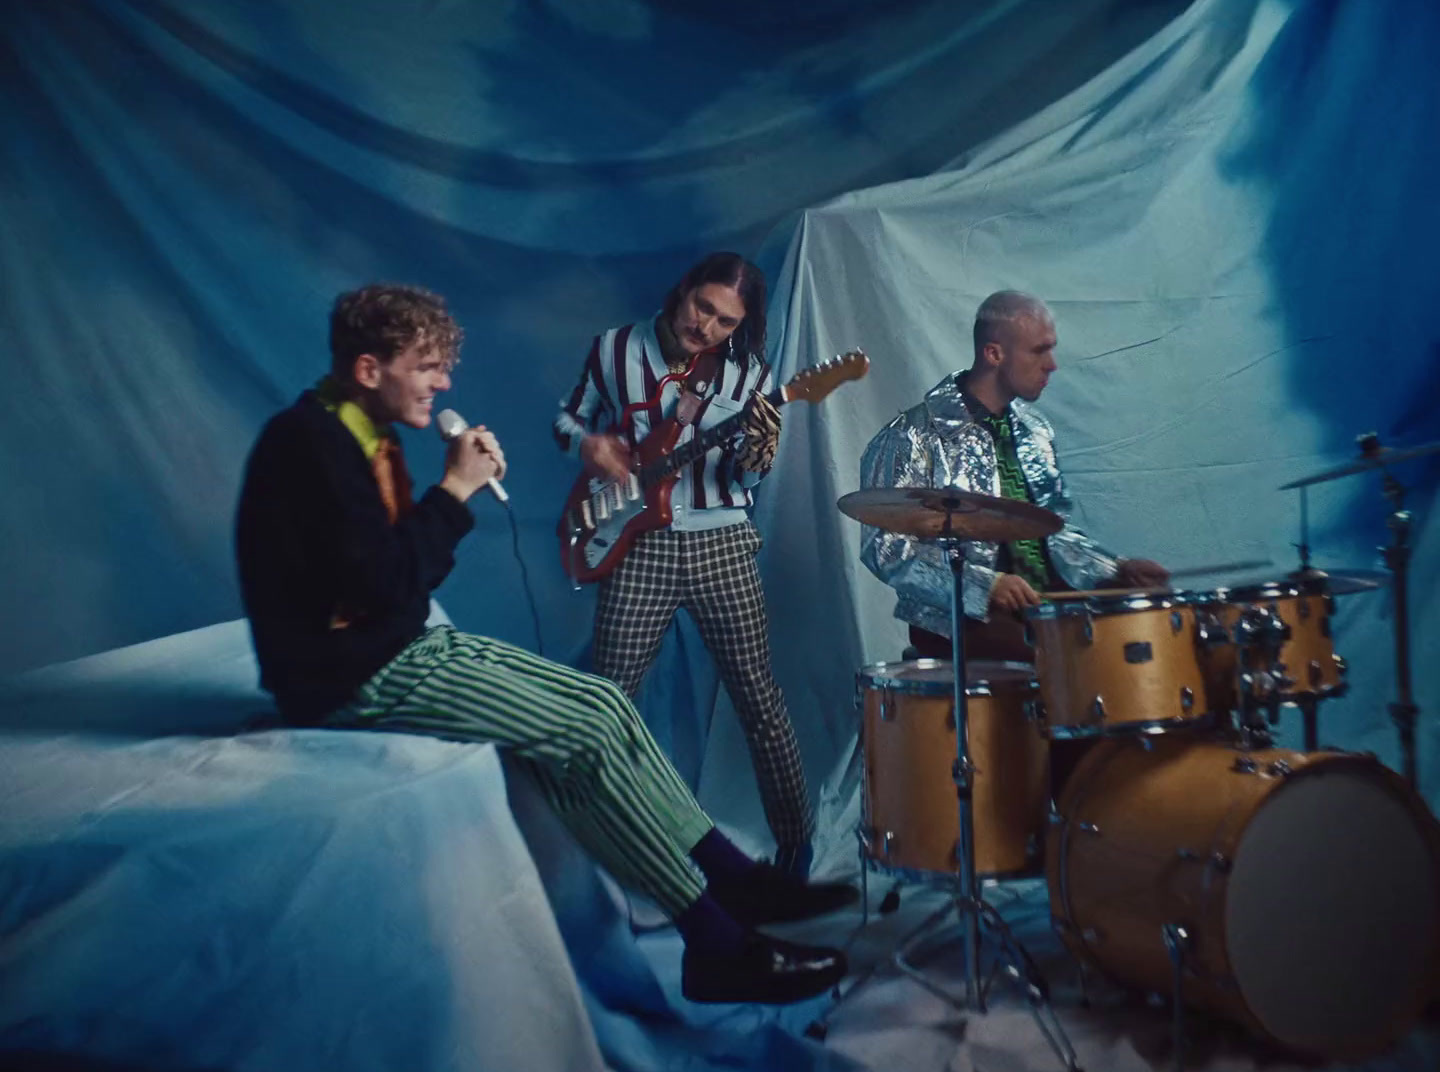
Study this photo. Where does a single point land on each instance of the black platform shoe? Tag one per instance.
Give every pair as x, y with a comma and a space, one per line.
763, 970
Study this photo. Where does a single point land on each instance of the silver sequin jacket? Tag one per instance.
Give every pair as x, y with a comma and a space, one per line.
937, 443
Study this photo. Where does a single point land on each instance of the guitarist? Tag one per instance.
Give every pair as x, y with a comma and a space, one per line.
710, 335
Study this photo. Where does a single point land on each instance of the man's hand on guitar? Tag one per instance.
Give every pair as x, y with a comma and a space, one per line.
762, 435
605, 455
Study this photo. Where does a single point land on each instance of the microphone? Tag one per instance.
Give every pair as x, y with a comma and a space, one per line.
451, 425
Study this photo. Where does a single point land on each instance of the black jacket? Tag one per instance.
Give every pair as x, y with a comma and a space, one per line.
311, 539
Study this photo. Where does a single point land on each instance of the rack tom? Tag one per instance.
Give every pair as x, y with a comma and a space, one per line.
1118, 663
1305, 664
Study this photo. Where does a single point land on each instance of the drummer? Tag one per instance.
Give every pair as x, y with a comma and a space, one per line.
978, 431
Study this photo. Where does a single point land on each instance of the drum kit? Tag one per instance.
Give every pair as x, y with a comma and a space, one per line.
1296, 893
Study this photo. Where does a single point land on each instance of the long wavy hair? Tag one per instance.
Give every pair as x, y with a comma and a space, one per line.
730, 270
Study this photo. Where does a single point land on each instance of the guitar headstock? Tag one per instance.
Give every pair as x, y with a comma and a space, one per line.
817, 381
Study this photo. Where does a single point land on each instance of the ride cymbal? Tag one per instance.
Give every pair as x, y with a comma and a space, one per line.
1378, 459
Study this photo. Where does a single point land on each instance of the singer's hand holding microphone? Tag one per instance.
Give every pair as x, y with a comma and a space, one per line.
474, 460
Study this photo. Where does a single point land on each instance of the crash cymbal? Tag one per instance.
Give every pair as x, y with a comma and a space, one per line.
1381, 456
949, 514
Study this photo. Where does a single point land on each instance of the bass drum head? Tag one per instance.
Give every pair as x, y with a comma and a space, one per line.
1331, 910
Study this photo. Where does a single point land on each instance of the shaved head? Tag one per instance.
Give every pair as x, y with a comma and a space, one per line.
998, 315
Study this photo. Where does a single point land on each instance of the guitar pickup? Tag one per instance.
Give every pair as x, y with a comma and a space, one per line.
632, 487
587, 515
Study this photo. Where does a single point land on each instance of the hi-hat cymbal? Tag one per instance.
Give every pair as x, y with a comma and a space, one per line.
1347, 582
949, 514
1381, 457
1335, 582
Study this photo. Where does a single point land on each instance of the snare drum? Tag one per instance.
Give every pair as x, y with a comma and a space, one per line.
1307, 885
911, 813
1117, 663
1308, 665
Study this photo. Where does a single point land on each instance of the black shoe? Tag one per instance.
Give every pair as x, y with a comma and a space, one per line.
765, 894
764, 970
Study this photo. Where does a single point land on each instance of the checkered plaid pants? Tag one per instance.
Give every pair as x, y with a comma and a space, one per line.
712, 574
576, 735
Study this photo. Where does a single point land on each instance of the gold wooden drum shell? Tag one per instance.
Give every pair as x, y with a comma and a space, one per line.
1117, 664
1308, 656
1309, 884
911, 811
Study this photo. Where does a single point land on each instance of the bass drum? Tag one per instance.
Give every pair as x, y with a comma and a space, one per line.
1307, 886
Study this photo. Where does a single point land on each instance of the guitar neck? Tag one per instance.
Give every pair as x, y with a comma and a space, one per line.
703, 441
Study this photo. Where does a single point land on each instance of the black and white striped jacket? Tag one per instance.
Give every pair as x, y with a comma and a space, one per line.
625, 366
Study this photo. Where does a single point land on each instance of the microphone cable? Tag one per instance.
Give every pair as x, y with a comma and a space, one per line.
524, 577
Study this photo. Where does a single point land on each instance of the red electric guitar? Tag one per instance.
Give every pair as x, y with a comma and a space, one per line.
603, 516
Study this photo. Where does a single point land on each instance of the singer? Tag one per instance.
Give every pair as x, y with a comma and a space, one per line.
711, 330
337, 561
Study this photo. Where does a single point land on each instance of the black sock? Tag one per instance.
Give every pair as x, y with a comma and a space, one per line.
708, 928
720, 858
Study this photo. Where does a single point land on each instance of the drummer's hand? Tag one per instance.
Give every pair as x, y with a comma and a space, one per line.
1141, 573
1012, 592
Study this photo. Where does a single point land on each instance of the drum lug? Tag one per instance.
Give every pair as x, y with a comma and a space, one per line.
1097, 709
1279, 769
1244, 765
963, 775
1218, 860
1034, 711
1341, 666
1089, 828
1087, 628
1316, 675
887, 713
885, 840
1187, 698
1209, 631
1177, 621
1302, 607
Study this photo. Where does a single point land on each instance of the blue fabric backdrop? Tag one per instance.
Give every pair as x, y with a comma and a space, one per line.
1230, 205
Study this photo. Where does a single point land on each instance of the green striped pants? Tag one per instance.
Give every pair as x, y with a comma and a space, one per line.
575, 734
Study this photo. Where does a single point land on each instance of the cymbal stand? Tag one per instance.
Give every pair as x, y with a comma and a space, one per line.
1304, 545
1012, 960
1404, 711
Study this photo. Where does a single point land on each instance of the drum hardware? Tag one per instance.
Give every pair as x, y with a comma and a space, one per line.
1178, 945
1403, 711
950, 517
